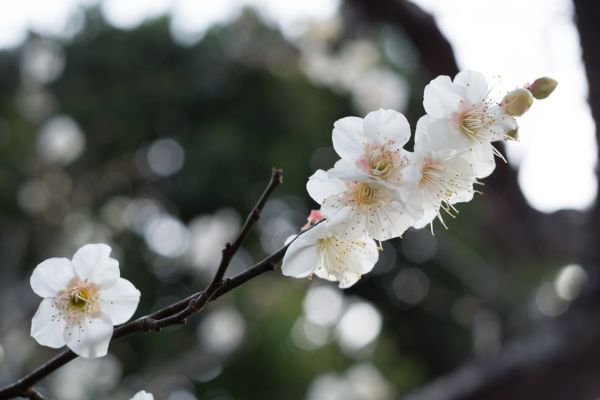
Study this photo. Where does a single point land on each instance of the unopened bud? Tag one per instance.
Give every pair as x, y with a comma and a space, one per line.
542, 87
517, 102
314, 218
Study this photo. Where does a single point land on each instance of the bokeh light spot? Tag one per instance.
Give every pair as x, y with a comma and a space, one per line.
360, 325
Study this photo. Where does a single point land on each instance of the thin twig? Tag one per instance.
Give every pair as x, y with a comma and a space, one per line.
176, 313
230, 250
198, 303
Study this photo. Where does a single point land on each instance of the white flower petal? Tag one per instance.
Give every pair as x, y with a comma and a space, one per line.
441, 97
381, 223
337, 211
93, 263
422, 138
348, 137
475, 84
481, 157
387, 126
444, 134
91, 338
320, 186
382, 220
467, 179
142, 395
348, 170
411, 174
324, 274
438, 135
364, 260
428, 216
462, 197
347, 279
51, 276
119, 301
390, 222
47, 325
359, 257
415, 202
300, 259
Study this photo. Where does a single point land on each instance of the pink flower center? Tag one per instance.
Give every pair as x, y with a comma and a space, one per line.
79, 299
378, 161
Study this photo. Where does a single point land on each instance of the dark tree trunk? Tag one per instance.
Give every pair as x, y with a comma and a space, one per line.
559, 359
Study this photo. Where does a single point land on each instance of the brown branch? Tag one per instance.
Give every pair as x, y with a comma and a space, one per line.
197, 303
230, 250
586, 17
559, 359
435, 52
176, 313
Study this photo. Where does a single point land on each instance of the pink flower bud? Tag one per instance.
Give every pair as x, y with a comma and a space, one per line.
542, 87
314, 217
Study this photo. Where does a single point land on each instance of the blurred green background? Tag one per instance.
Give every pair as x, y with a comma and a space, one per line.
160, 150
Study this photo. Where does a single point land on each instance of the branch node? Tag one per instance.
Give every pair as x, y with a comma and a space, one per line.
278, 175
195, 304
150, 324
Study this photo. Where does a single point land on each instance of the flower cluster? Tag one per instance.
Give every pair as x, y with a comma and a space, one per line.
378, 189
374, 192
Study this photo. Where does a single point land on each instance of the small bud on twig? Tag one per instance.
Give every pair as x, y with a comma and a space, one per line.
517, 102
542, 87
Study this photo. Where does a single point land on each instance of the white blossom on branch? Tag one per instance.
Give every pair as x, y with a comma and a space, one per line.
359, 209
466, 117
371, 149
437, 176
83, 299
318, 251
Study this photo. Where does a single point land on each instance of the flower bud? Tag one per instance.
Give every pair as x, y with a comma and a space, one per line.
314, 218
517, 102
542, 87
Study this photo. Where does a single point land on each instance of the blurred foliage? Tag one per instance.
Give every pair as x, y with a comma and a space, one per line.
238, 104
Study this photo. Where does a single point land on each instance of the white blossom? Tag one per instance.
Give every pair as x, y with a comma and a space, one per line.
142, 395
359, 209
437, 176
468, 117
318, 251
83, 299
371, 149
